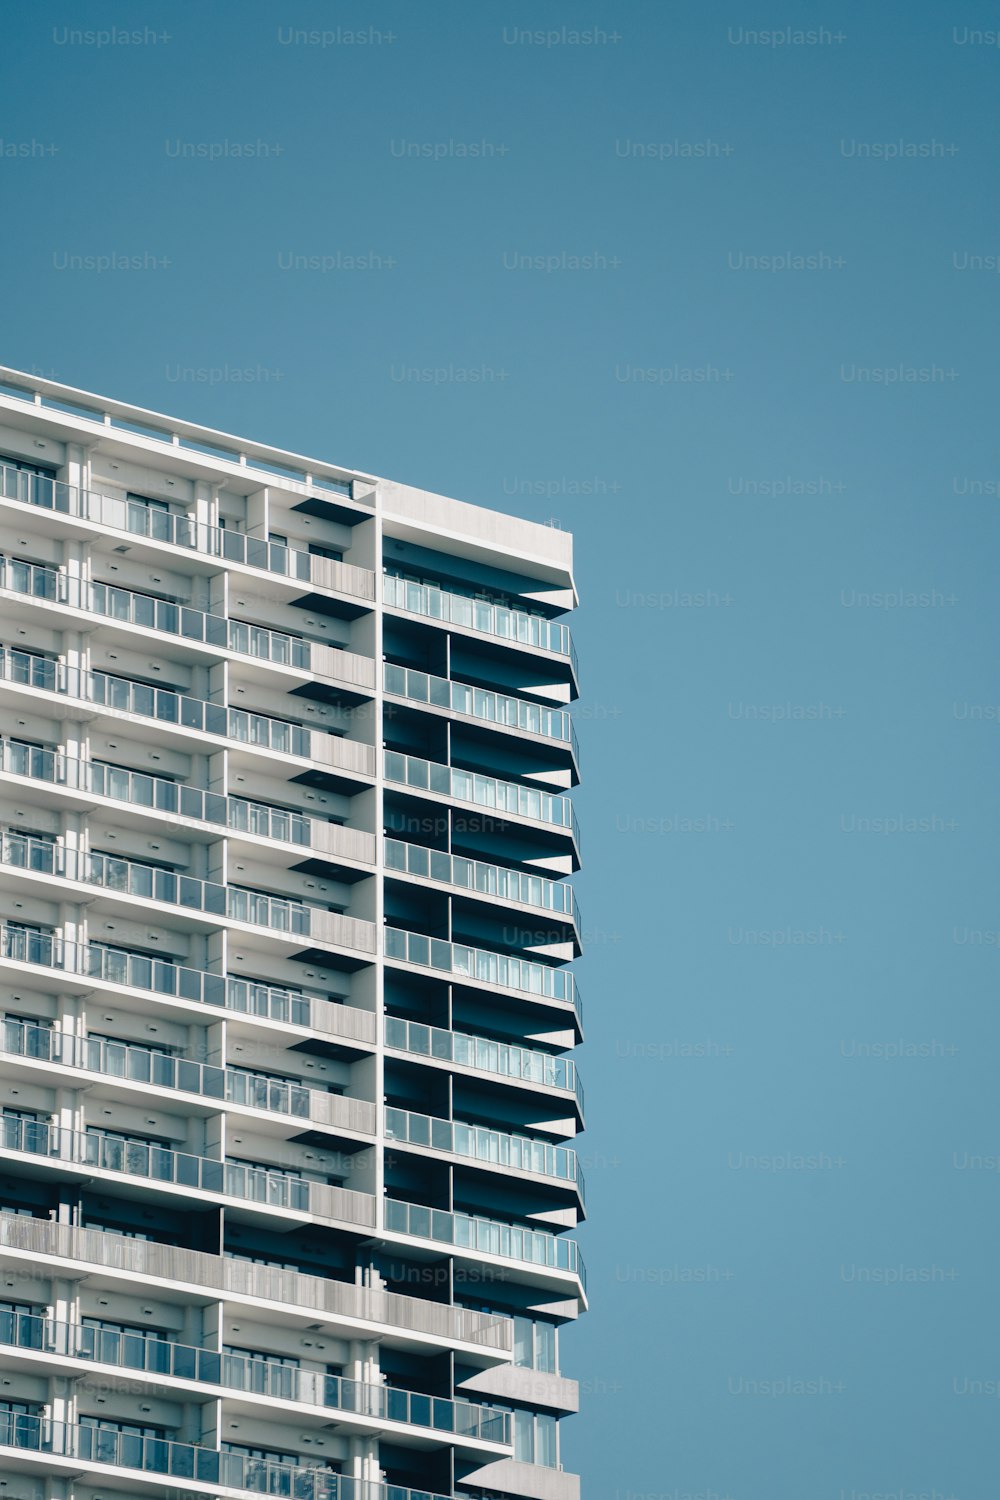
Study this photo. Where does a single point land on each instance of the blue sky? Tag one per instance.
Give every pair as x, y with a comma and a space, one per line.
765, 404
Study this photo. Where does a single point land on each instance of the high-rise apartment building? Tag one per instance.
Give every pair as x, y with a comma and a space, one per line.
286, 1089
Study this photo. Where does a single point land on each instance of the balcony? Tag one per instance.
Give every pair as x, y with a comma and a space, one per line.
140, 520
534, 1247
482, 879
26, 1434
165, 706
504, 624
102, 1150
129, 1063
146, 1260
127, 607
484, 966
128, 877
260, 1377
491, 1148
235, 814
504, 1059
498, 709
163, 977
484, 791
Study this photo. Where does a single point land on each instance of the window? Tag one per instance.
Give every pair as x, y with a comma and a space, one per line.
144, 1062
283, 1187
32, 484
264, 1374
256, 997
261, 1260
546, 1445
535, 1439
154, 879
147, 517
22, 466
27, 1037
123, 1231
266, 909
246, 1467
535, 1345
266, 1091
28, 668
24, 1130
25, 576
140, 1155
333, 553
524, 1437
27, 758
156, 611
20, 1424
27, 943
130, 1444
29, 849
20, 1325
137, 1348
146, 971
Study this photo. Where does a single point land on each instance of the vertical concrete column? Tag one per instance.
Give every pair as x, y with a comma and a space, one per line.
377, 707
68, 1115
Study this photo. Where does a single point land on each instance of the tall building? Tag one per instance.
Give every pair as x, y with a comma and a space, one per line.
285, 1076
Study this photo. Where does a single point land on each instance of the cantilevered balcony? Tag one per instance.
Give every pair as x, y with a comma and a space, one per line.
144, 1458
498, 970
169, 708
488, 1148
131, 1063
74, 1342
483, 791
194, 627
474, 877
175, 799
280, 915
139, 520
104, 1151
298, 1293
487, 707
95, 965
478, 1236
499, 1059
496, 620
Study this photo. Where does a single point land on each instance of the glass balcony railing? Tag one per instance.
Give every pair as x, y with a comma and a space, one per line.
478, 614
536, 1247
158, 976
149, 1261
94, 1443
493, 708
484, 791
129, 607
483, 965
383, 1403
505, 1059
480, 878
139, 519
164, 977
133, 1063
165, 705
106, 1151
277, 914
238, 814
262, 1377
520, 1153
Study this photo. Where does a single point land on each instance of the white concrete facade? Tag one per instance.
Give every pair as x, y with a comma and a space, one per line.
287, 1096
